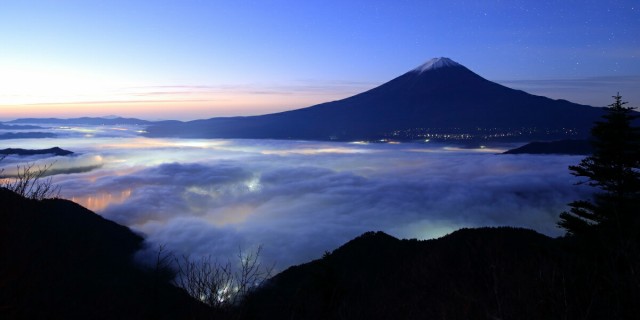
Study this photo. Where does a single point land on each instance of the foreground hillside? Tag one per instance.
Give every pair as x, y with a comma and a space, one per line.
62, 261
489, 273
59, 260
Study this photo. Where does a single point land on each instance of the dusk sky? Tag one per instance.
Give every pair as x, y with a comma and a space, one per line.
199, 59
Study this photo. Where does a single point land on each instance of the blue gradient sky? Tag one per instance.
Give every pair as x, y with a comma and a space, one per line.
197, 59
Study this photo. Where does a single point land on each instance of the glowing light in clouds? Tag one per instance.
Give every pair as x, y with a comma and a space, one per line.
101, 201
300, 198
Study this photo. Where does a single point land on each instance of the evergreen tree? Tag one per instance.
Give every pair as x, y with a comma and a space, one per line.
614, 169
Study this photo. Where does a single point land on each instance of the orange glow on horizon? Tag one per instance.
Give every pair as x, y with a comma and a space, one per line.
144, 110
179, 106
66, 91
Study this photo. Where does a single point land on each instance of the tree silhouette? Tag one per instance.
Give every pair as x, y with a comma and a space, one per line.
614, 169
30, 181
221, 285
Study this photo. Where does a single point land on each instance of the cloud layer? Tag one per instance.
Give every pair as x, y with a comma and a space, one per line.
298, 199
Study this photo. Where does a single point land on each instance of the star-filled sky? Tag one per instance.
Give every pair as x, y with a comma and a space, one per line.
198, 59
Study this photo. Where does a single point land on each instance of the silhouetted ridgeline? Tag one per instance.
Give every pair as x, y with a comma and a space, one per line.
26, 135
18, 127
488, 273
59, 260
29, 152
84, 121
570, 147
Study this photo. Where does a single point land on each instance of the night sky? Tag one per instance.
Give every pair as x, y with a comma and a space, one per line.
199, 59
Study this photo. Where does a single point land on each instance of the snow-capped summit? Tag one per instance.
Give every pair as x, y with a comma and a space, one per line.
436, 63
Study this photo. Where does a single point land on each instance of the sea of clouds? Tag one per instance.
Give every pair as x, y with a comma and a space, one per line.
299, 199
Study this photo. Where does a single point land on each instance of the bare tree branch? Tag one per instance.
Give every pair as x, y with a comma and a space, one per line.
217, 284
30, 182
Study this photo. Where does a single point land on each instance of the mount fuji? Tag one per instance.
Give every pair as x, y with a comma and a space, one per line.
440, 99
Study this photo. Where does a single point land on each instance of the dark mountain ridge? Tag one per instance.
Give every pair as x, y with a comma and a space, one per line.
437, 99
484, 273
26, 135
18, 127
568, 147
376, 276
59, 260
28, 152
83, 121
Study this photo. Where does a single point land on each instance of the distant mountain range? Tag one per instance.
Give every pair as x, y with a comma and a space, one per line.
17, 127
26, 135
109, 120
439, 100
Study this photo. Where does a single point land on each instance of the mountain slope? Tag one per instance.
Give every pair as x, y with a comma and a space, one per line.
570, 147
438, 97
59, 260
486, 273
376, 276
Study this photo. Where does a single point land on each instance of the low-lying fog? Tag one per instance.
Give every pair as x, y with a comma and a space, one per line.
298, 199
